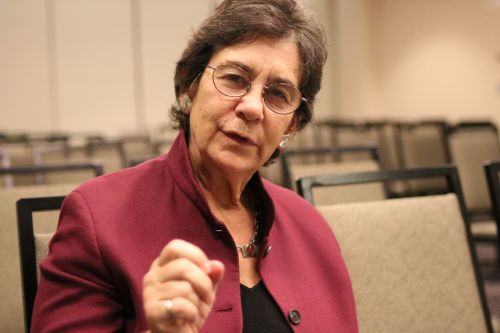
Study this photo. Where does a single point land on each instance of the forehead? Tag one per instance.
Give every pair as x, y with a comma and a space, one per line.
264, 57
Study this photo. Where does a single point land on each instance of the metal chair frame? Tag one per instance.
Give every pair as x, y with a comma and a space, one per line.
492, 170
25, 209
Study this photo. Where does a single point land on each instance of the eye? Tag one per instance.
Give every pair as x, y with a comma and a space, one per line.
231, 77
279, 93
235, 78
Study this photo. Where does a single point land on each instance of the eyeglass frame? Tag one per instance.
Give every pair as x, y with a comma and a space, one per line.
264, 86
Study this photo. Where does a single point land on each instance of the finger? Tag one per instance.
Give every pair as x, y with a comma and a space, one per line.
180, 311
185, 270
178, 248
172, 289
216, 272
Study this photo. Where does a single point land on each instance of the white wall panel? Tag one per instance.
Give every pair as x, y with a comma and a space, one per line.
166, 28
325, 101
24, 83
94, 65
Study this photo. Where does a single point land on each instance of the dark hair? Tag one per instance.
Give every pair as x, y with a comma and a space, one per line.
237, 21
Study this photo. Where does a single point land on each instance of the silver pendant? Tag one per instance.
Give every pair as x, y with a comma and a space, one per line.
248, 250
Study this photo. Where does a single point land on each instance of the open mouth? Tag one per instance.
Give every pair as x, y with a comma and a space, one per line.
238, 138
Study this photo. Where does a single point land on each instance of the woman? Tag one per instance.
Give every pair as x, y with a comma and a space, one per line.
196, 240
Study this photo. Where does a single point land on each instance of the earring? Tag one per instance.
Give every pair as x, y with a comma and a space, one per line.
285, 139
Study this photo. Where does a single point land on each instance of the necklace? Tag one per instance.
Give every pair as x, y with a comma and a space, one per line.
250, 249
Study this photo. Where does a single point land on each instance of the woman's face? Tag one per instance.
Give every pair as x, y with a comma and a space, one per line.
237, 135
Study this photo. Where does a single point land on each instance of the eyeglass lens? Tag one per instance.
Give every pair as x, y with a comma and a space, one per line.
233, 81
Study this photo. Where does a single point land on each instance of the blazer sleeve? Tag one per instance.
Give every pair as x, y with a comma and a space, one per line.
75, 292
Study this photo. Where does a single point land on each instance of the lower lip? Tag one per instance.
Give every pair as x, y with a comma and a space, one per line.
238, 139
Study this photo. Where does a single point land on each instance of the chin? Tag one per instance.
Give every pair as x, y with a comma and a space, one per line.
236, 164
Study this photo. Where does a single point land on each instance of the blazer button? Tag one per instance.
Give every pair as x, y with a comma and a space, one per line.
268, 249
294, 316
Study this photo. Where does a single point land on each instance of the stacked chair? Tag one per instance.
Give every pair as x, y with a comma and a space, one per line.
422, 144
471, 144
292, 171
492, 170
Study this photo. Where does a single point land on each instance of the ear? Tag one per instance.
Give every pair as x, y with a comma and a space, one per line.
193, 88
293, 126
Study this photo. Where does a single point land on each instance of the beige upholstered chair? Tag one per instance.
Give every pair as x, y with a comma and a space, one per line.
19, 154
33, 246
340, 194
11, 305
423, 144
42, 241
348, 134
470, 146
63, 154
410, 264
137, 147
71, 173
294, 159
490, 230
110, 153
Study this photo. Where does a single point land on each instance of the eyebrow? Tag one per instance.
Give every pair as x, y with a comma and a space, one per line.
249, 70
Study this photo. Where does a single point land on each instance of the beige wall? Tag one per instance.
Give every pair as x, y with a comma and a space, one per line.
426, 58
91, 65
353, 69
24, 93
99, 66
107, 66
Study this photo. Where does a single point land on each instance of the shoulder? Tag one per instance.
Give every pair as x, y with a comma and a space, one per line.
148, 175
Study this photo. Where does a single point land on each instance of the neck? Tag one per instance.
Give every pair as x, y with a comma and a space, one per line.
223, 190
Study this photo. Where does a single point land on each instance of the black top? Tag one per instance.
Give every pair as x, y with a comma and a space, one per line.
260, 312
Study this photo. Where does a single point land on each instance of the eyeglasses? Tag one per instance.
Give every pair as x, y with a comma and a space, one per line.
233, 81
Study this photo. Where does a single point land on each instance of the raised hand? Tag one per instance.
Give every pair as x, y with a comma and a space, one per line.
179, 288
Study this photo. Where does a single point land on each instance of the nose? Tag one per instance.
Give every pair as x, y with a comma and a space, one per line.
251, 105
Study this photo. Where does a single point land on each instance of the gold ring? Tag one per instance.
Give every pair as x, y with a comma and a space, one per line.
169, 307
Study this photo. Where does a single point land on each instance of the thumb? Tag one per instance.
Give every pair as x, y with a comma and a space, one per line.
216, 272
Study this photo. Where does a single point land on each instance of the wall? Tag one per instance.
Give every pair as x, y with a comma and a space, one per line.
355, 94
418, 59
438, 58
91, 65
99, 66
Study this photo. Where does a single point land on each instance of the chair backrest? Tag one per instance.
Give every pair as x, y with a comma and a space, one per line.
492, 170
92, 168
449, 173
289, 155
412, 265
423, 144
110, 153
349, 134
32, 248
19, 154
11, 307
61, 153
137, 147
341, 194
7, 180
472, 144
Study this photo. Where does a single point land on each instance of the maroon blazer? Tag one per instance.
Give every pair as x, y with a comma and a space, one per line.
112, 228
